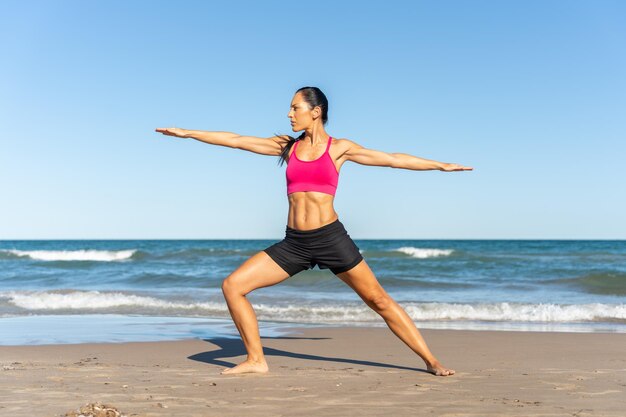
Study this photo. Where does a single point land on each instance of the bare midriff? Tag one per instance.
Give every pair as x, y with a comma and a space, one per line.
310, 210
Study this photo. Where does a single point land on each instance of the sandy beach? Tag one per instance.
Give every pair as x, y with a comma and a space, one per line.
333, 371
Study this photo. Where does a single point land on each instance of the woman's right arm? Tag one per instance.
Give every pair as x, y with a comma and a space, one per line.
265, 146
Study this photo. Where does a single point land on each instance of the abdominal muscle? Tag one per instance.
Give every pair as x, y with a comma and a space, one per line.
310, 210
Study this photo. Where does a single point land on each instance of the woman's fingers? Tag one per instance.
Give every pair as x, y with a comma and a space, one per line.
457, 167
170, 131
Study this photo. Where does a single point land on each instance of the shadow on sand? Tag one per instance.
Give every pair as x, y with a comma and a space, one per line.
230, 347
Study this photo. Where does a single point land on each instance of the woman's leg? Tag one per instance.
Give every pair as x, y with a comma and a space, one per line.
362, 280
256, 272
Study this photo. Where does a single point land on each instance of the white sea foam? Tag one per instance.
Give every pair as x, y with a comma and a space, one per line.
558, 313
74, 255
115, 302
424, 252
79, 300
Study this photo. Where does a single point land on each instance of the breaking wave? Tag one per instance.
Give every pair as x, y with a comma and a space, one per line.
424, 252
71, 255
80, 302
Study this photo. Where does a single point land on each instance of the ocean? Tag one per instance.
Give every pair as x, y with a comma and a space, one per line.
76, 291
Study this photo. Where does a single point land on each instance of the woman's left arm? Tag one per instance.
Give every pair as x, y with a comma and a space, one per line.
357, 153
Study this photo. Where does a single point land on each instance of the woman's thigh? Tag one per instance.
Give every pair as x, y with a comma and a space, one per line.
363, 281
256, 272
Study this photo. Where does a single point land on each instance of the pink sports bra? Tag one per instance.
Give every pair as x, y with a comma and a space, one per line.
318, 175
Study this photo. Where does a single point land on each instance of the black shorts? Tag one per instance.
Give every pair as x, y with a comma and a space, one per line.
329, 247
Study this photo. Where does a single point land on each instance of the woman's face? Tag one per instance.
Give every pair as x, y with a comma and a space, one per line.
300, 113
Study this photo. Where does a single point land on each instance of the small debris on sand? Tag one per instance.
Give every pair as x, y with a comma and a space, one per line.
95, 410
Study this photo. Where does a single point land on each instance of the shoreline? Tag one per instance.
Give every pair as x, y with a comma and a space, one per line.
325, 371
52, 329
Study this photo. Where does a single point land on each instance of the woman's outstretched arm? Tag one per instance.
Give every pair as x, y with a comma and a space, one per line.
264, 146
357, 153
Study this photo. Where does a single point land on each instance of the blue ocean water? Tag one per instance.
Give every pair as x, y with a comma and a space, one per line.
538, 285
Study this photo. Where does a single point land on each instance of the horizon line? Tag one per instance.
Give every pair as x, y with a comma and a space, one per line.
355, 238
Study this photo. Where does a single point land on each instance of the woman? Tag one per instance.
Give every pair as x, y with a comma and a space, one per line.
314, 235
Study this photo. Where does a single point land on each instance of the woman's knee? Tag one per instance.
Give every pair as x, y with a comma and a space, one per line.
230, 287
378, 301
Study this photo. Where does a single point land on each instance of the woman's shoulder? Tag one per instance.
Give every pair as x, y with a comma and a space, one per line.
344, 143
342, 147
344, 140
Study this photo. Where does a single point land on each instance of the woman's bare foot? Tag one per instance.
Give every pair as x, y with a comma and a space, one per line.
437, 369
246, 367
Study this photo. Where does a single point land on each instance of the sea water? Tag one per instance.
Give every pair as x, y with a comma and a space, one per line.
72, 291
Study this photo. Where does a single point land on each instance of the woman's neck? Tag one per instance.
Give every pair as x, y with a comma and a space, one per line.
315, 135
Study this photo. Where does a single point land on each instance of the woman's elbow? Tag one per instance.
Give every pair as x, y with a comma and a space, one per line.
394, 160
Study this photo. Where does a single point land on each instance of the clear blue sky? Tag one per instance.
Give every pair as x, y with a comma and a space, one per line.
532, 94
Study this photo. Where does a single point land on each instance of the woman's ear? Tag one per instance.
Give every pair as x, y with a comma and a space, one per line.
316, 112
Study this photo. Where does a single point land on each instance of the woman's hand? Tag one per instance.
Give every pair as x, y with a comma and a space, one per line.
173, 131
454, 167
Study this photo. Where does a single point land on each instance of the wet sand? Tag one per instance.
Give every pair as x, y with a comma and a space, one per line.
334, 371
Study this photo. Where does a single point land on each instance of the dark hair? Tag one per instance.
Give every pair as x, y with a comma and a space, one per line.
313, 96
